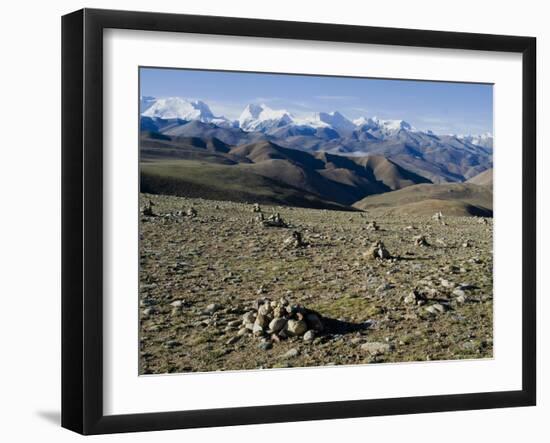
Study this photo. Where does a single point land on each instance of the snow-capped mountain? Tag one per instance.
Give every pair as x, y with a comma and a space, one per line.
485, 140
179, 108
263, 118
282, 125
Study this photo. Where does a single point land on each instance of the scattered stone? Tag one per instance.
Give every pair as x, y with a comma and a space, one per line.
377, 251
147, 209
459, 292
265, 345
446, 283
436, 308
233, 340
291, 353
211, 308
243, 331
420, 240
257, 329
383, 288
415, 298
296, 327
277, 324
275, 221
249, 317
376, 348
294, 241
372, 226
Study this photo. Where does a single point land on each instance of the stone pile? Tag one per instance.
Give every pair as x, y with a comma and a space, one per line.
372, 226
295, 241
147, 209
274, 221
279, 320
420, 240
377, 251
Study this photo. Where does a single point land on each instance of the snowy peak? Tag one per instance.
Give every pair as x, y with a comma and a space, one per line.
263, 118
176, 107
275, 122
336, 121
484, 140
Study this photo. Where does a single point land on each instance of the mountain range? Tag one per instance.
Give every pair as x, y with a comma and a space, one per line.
439, 158
322, 159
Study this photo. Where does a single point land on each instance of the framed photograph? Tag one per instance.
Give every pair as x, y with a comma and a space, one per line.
269, 221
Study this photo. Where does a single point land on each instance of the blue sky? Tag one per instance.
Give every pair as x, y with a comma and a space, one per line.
443, 107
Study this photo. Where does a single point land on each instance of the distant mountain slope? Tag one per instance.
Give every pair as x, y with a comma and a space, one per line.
483, 179
330, 179
459, 199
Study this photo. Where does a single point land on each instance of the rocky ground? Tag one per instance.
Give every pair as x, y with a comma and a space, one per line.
230, 286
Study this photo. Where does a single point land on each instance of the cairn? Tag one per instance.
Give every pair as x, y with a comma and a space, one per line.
147, 209
295, 241
280, 320
377, 251
372, 226
275, 221
421, 241
415, 298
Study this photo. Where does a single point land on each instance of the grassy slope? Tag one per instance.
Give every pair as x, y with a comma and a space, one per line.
460, 199
213, 181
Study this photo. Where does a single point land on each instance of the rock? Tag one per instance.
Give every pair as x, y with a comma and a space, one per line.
249, 317
377, 251
147, 209
294, 241
177, 304
420, 240
414, 298
437, 216
257, 329
372, 226
191, 212
383, 287
212, 307
436, 308
467, 244
265, 345
459, 292
275, 221
277, 324
256, 208
233, 340
296, 327
171, 344
291, 353
446, 283
265, 310
376, 348
148, 311
262, 321
309, 335
243, 331
461, 299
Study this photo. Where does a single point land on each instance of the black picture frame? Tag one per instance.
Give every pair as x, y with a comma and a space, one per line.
82, 218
